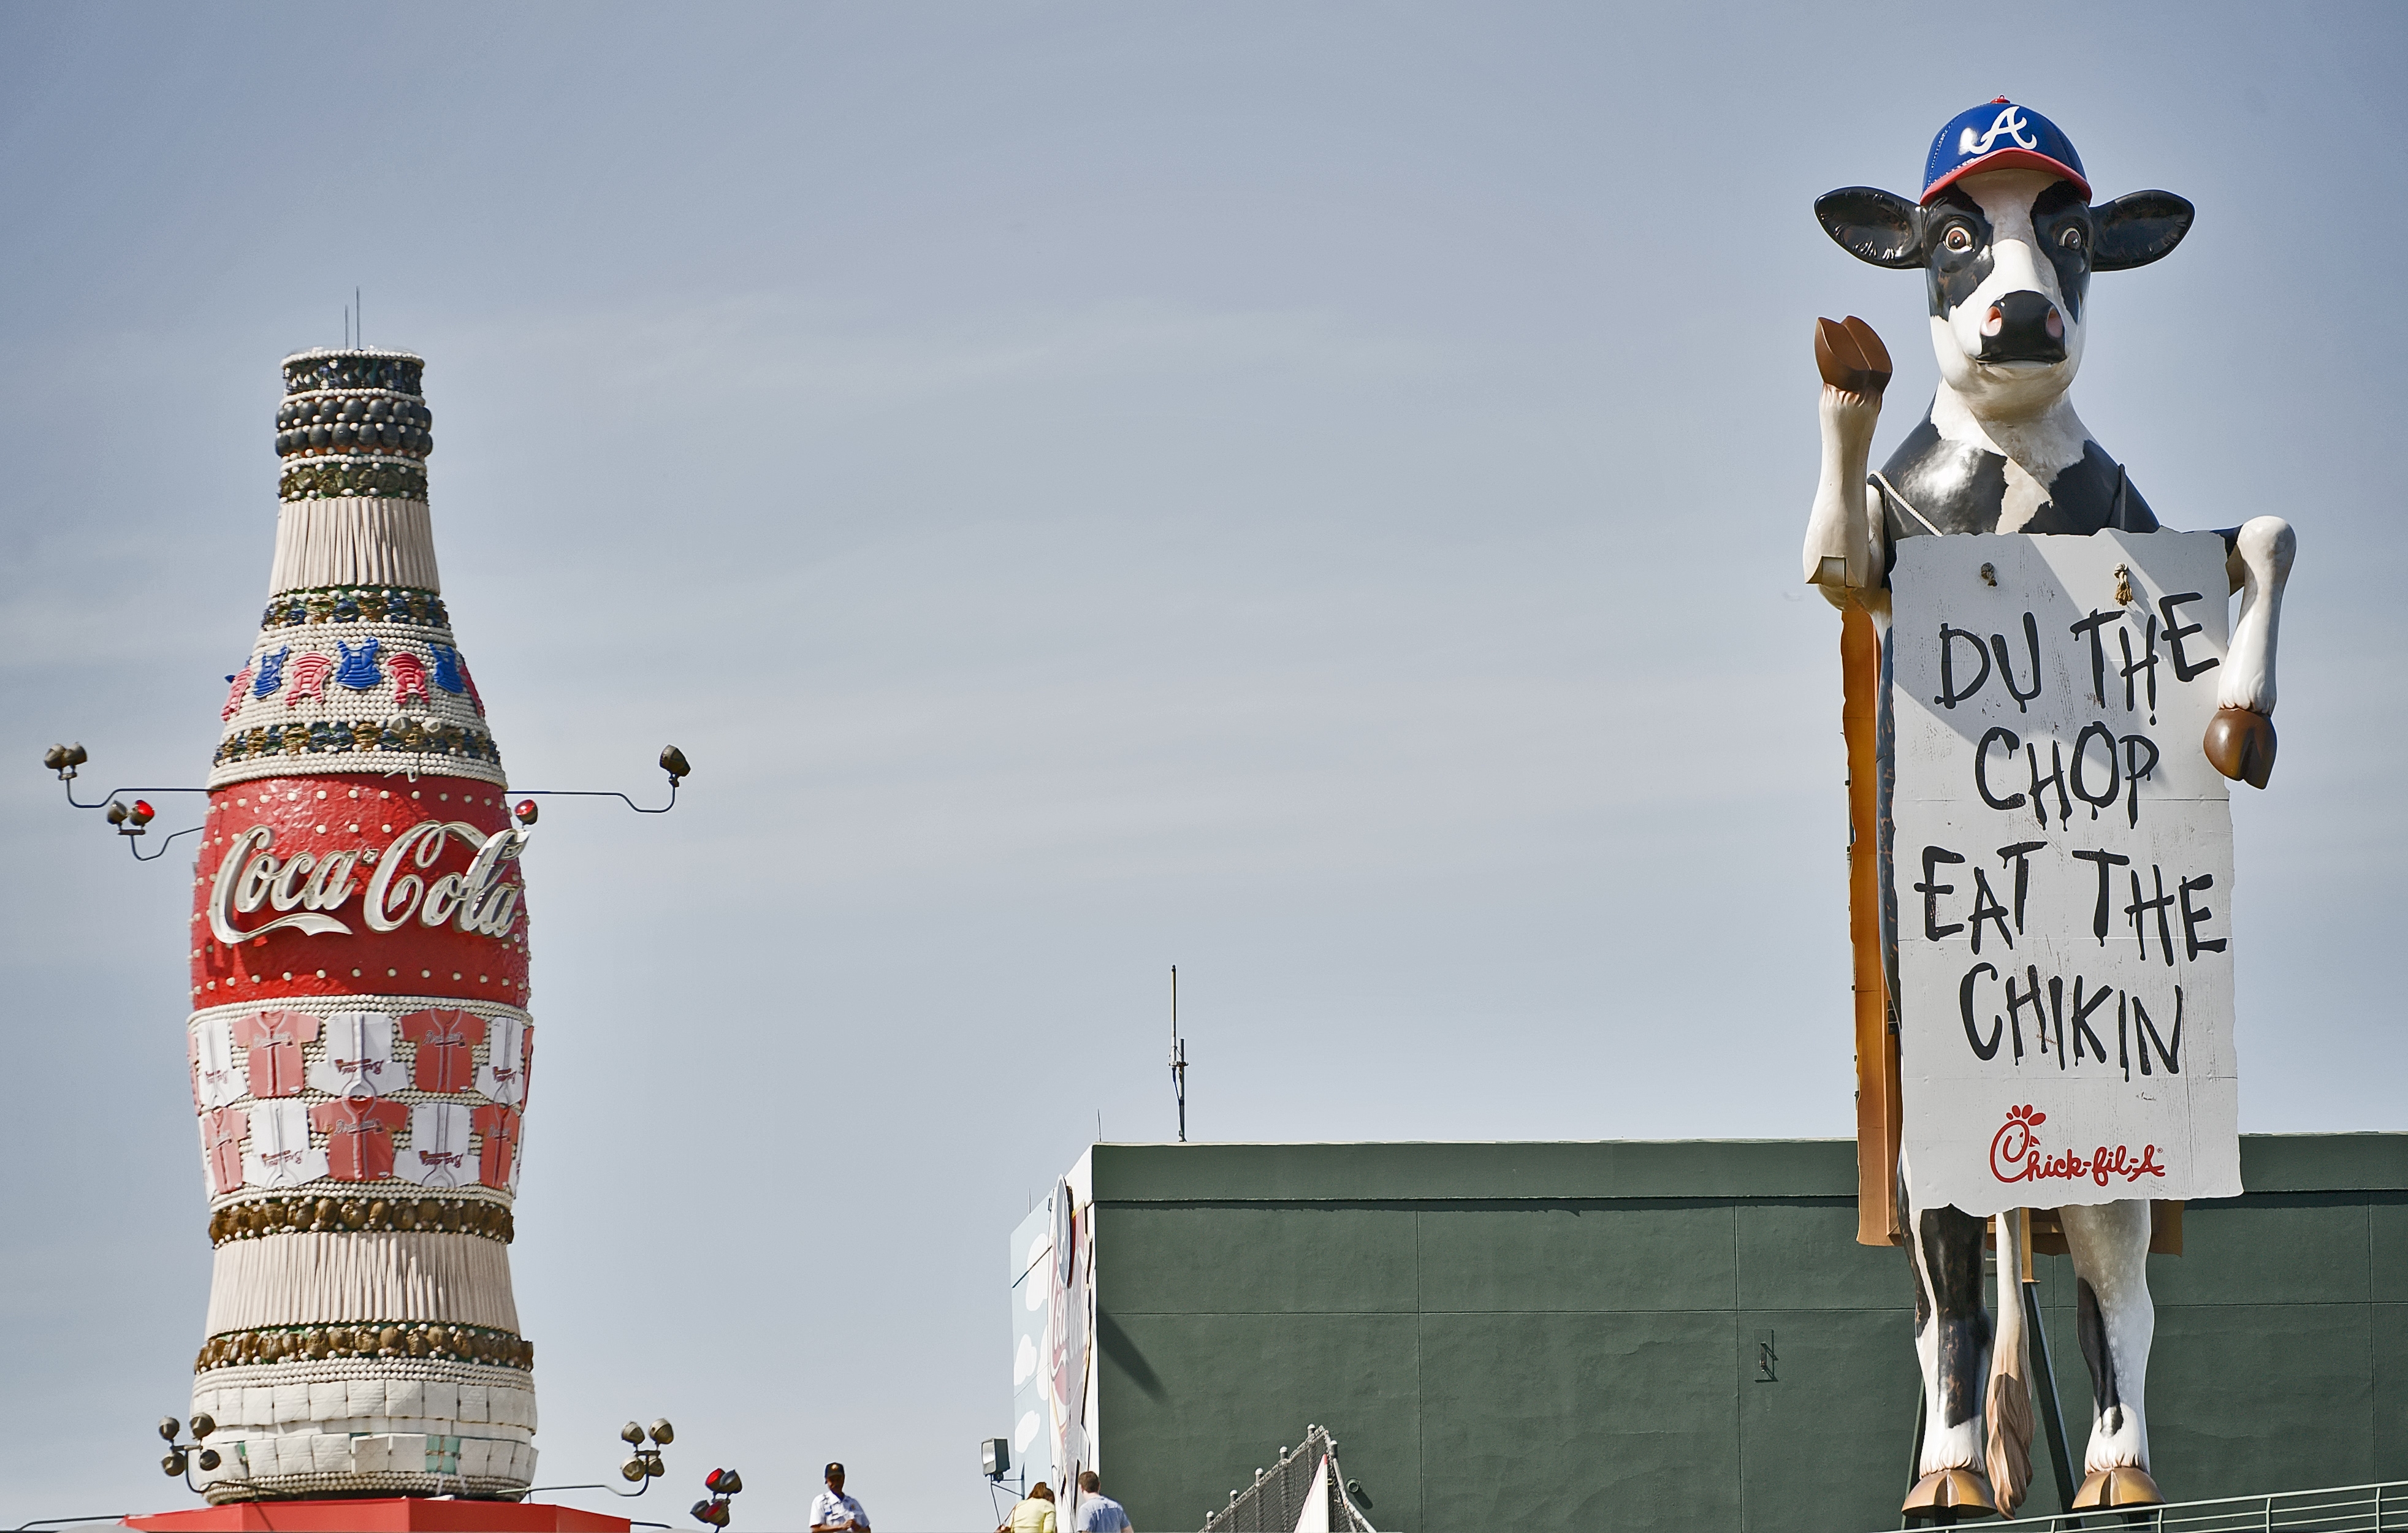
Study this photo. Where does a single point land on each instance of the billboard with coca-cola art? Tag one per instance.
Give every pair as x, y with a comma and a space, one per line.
2062, 856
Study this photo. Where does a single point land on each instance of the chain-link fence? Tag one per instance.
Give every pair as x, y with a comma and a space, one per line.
1305, 1489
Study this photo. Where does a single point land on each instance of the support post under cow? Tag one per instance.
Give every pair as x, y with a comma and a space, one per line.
2007, 237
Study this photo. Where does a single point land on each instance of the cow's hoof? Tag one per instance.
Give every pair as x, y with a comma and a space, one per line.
1950, 1496
1850, 357
2105, 1489
2241, 745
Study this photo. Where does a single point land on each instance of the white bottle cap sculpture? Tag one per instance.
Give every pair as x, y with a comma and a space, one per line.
360, 1038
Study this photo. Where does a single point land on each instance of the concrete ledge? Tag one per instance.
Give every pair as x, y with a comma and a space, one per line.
1416, 1172
1425, 1173
2324, 1163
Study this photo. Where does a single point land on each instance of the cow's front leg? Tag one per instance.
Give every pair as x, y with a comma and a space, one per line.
2114, 1321
2240, 740
1952, 1342
2007, 1402
1845, 552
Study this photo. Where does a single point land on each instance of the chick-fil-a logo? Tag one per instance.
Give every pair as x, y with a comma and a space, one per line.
2015, 1155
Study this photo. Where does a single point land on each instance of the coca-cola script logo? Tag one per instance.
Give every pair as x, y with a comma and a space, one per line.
2015, 1155
477, 901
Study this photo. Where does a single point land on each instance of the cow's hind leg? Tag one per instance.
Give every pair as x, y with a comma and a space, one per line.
2115, 1320
1951, 1342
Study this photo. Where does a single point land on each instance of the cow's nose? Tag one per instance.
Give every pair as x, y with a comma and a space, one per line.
2023, 327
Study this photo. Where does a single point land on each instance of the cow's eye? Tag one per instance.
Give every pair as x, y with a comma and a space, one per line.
2072, 238
1959, 238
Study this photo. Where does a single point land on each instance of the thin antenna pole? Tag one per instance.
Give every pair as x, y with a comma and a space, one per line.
1178, 1058
360, 321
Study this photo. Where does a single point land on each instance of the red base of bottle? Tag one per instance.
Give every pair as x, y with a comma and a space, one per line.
381, 1514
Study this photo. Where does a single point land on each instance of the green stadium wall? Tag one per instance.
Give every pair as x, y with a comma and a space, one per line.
1534, 1336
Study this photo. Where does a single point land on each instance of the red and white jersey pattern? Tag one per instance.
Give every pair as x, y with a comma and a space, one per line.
222, 1132
217, 1078
358, 1061
447, 1040
359, 1136
448, 1084
439, 1156
509, 1047
281, 1153
272, 1042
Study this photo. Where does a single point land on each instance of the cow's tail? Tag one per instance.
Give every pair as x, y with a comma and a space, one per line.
2008, 1411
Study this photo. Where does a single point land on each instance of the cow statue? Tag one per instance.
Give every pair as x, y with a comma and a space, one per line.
2007, 237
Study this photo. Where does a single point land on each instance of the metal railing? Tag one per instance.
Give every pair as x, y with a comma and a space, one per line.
2338, 1508
1277, 1498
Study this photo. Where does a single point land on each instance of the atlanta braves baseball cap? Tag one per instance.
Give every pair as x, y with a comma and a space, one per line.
1999, 135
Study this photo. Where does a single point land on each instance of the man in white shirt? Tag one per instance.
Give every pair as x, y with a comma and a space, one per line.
833, 1510
1098, 1512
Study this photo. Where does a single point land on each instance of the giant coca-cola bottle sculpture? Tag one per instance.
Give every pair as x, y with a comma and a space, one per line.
359, 1038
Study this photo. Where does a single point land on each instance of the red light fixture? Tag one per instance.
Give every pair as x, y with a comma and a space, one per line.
722, 1483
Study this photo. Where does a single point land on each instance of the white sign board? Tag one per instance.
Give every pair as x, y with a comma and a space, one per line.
2062, 869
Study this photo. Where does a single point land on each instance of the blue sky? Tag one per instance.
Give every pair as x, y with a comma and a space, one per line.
1308, 493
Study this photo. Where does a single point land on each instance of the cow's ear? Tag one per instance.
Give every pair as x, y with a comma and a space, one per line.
2137, 229
1873, 225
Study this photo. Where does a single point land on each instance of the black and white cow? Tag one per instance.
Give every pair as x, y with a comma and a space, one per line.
2007, 239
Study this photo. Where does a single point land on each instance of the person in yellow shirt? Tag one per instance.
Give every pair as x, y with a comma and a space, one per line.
1033, 1515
